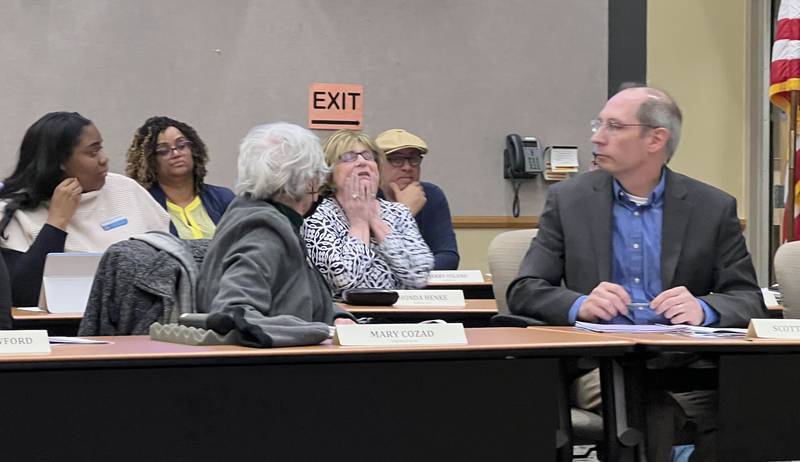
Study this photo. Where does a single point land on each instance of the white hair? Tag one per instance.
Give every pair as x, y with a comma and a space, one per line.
279, 158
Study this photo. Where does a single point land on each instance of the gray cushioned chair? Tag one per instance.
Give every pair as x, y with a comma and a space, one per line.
505, 255
787, 273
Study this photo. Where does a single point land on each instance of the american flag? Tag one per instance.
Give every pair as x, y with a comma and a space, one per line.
784, 78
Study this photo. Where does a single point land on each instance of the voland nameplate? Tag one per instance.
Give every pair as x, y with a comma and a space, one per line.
24, 341
399, 334
462, 276
774, 328
451, 298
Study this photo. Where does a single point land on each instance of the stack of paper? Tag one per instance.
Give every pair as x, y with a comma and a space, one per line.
682, 329
628, 328
560, 162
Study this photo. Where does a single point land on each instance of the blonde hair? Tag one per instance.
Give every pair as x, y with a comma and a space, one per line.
340, 142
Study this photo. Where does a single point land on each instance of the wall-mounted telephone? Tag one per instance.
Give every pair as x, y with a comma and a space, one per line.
522, 157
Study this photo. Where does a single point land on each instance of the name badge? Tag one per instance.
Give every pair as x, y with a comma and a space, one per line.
774, 328
399, 334
115, 222
24, 341
463, 276
451, 298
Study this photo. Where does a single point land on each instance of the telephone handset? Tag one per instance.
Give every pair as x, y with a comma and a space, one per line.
522, 157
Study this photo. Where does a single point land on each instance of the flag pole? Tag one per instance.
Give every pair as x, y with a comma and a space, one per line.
792, 154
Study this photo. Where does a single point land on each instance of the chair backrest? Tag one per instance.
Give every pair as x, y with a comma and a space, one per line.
787, 273
505, 255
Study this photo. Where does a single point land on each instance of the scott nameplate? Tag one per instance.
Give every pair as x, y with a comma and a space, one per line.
774, 328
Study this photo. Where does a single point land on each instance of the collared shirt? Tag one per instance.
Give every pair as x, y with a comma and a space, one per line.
636, 254
192, 221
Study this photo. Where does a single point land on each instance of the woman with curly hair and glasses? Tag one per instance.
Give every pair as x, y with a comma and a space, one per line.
168, 158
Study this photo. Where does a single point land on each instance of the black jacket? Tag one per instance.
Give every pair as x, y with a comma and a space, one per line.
5, 297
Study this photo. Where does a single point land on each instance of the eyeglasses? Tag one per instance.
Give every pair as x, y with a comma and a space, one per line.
399, 161
182, 147
612, 126
350, 156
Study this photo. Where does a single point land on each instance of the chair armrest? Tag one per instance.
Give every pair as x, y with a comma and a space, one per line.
513, 320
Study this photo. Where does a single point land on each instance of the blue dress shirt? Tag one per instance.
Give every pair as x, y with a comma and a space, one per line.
636, 256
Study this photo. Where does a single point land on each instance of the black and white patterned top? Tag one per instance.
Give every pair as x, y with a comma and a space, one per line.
401, 261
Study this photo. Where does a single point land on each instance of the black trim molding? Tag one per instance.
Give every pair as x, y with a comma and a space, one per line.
627, 42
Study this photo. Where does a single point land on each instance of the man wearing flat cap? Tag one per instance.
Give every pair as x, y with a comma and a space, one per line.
400, 183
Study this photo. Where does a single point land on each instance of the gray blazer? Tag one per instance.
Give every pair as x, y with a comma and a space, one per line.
702, 248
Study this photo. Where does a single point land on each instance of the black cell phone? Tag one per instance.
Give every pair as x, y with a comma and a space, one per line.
369, 296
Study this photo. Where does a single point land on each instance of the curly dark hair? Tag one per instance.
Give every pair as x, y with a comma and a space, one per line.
141, 158
47, 144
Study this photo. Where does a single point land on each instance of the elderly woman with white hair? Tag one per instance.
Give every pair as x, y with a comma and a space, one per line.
256, 265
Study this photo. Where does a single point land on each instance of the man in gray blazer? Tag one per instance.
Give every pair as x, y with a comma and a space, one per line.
635, 231
634, 242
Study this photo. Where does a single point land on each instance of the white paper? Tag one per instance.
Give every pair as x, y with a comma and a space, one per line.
769, 297
715, 332
75, 340
628, 328
564, 156
683, 329
67, 295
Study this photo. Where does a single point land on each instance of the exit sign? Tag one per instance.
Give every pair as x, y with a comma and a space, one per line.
332, 106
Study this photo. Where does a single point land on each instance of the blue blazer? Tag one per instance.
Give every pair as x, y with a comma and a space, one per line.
214, 198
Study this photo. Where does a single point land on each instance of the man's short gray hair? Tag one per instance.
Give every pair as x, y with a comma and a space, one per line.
660, 110
279, 158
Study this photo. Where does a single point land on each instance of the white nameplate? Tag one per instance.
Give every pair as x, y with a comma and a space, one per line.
24, 341
464, 276
399, 334
451, 298
774, 328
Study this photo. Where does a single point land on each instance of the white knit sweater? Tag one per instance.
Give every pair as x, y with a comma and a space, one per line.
120, 199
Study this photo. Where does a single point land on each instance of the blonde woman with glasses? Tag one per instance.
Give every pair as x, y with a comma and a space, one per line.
356, 239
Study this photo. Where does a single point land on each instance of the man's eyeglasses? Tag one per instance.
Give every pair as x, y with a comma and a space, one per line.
182, 147
398, 161
350, 156
613, 126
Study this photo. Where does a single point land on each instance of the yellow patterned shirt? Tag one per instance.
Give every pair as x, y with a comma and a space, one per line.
192, 221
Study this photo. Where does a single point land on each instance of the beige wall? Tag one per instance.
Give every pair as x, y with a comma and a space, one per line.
472, 246
697, 51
